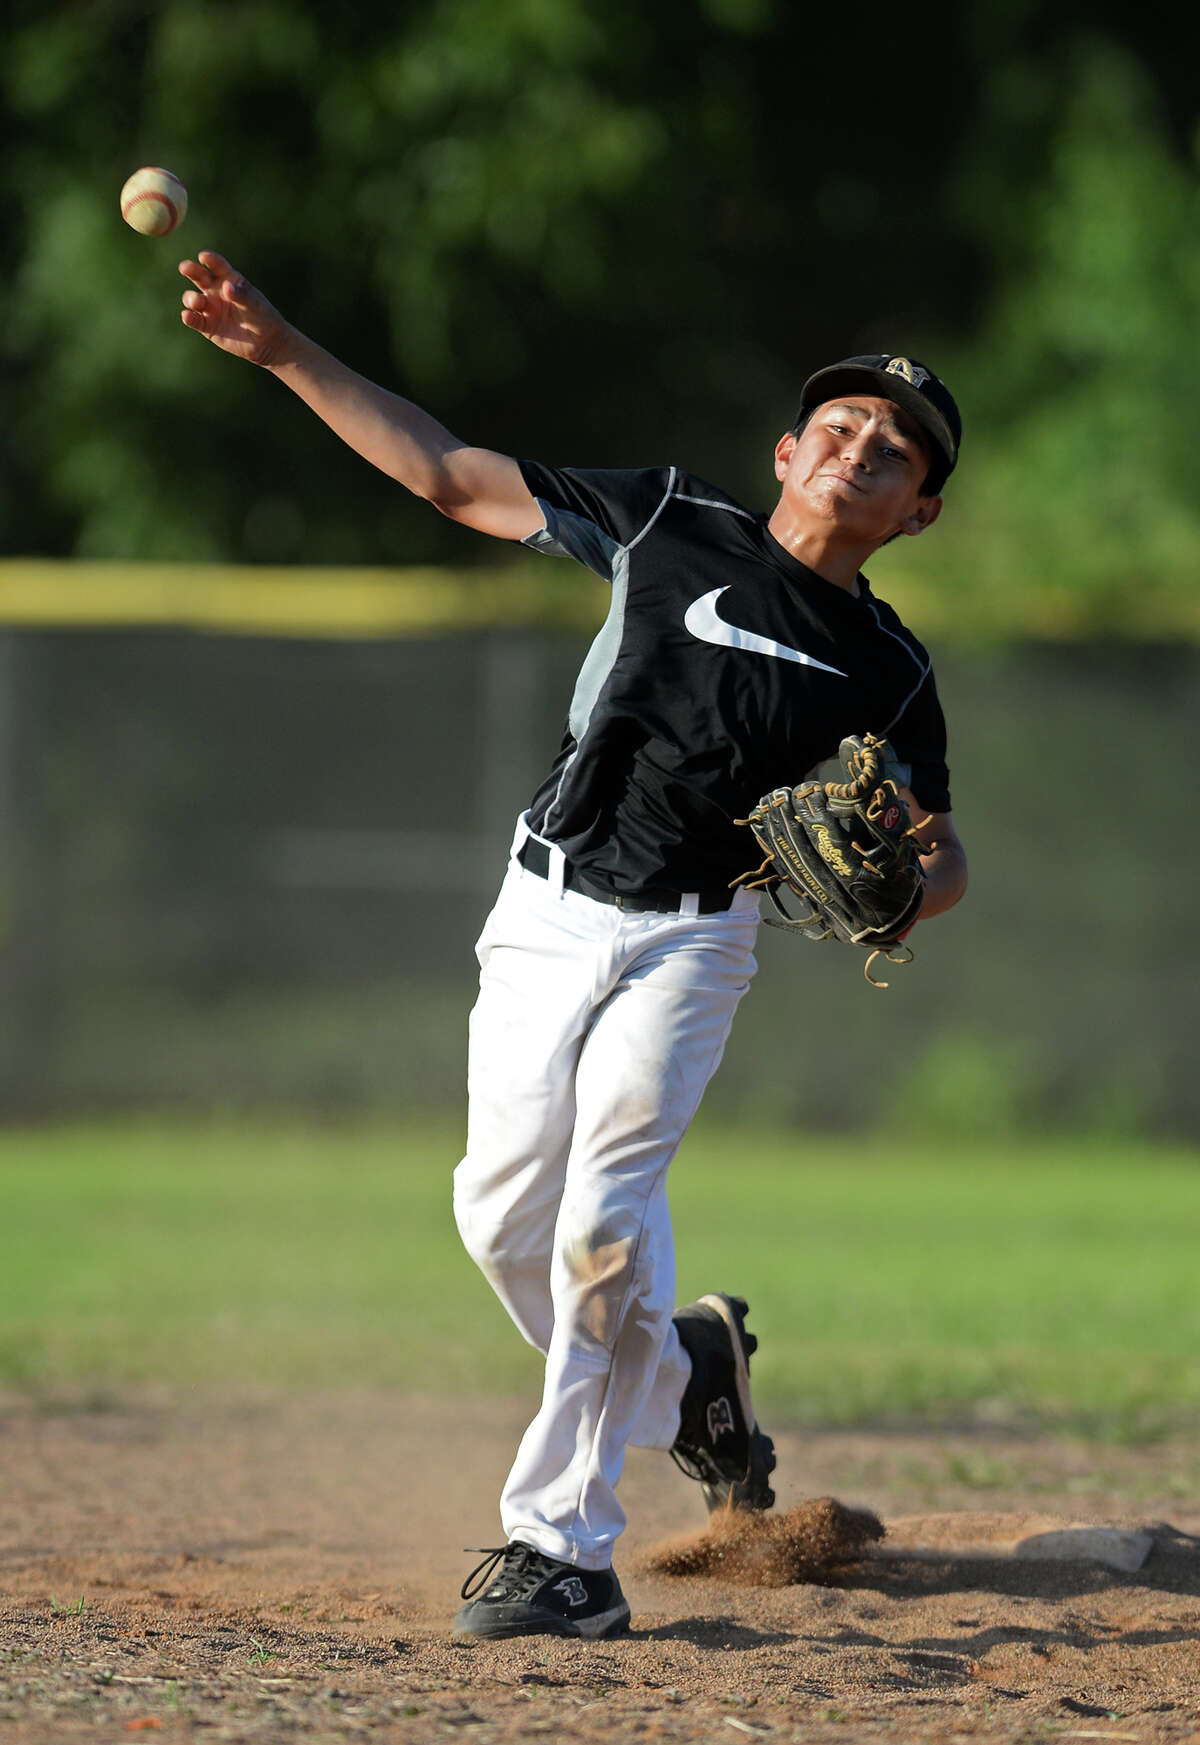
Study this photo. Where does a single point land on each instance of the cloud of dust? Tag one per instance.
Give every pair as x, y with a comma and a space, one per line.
806, 1544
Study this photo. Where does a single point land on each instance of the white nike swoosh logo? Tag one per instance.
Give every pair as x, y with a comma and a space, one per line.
702, 622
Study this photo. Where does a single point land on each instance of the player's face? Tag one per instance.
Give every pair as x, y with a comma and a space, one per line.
858, 465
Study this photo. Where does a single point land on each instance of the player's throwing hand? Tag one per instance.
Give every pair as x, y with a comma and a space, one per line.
225, 307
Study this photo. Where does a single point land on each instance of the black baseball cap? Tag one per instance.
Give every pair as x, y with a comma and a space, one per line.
907, 383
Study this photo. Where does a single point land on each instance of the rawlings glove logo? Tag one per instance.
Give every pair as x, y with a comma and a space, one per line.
830, 852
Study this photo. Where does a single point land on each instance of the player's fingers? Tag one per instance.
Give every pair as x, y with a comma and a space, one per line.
236, 290
199, 275
225, 279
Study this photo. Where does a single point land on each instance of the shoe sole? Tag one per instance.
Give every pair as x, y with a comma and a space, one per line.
723, 1306
752, 1491
498, 1628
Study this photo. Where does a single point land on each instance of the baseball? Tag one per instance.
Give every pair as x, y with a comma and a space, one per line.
153, 201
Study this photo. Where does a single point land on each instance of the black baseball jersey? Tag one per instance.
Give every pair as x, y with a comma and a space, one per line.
725, 668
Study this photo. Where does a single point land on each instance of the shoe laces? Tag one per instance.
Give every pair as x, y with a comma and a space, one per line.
524, 1568
698, 1464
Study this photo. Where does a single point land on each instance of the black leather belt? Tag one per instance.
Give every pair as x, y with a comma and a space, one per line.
534, 856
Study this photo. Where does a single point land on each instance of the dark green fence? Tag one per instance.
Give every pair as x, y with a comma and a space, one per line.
245, 872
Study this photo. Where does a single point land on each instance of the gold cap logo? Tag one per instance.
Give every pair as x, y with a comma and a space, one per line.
902, 366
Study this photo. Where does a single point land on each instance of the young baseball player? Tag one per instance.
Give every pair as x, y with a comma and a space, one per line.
739, 649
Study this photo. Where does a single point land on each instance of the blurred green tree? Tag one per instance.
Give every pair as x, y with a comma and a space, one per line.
1081, 383
575, 228
603, 233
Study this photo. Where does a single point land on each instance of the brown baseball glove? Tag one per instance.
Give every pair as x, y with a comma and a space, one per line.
847, 850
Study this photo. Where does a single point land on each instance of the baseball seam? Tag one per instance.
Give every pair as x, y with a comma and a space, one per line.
151, 194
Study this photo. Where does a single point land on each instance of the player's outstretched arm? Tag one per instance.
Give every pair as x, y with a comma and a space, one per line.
476, 486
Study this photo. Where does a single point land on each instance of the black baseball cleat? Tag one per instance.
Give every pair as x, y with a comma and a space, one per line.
530, 1594
719, 1443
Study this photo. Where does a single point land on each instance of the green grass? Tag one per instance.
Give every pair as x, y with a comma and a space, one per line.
1022, 1280
1025, 1281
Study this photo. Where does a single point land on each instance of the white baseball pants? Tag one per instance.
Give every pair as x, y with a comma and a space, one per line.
594, 1035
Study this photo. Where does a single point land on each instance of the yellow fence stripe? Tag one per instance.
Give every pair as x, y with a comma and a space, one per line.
322, 602
316, 602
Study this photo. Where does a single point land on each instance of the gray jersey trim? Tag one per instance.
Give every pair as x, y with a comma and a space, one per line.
711, 503
601, 656
569, 535
598, 662
925, 669
666, 498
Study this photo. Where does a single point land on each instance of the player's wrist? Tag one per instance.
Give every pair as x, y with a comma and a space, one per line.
289, 353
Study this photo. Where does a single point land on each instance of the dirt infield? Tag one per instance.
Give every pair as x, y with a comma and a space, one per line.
255, 1567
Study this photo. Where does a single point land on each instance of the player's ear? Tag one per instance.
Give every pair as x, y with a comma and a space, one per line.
783, 453
924, 515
